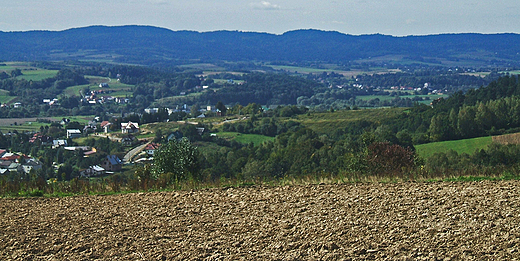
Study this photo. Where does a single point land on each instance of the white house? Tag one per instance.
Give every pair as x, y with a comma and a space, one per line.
59, 143
151, 110
73, 133
130, 127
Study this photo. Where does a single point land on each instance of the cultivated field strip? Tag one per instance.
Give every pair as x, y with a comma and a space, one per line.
402, 221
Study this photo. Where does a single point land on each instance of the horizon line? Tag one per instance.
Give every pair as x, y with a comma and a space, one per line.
248, 31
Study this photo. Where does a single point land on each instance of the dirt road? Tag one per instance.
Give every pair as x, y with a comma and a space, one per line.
405, 221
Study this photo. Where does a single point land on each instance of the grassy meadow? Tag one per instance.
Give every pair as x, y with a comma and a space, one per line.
30, 73
37, 75
245, 138
326, 122
20, 125
116, 88
5, 97
468, 146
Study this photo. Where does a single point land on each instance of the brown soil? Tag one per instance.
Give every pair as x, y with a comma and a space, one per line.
405, 221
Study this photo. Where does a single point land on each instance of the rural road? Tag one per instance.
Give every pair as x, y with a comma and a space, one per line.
132, 153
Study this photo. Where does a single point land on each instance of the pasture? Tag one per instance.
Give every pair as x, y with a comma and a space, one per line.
32, 124
326, 122
22, 124
5, 97
245, 138
468, 146
30, 73
115, 89
37, 74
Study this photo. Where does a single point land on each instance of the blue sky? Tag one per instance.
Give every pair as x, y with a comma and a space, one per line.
392, 17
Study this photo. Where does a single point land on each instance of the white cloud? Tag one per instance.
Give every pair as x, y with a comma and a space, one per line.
264, 5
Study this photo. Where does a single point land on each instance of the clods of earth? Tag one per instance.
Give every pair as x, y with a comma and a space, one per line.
404, 221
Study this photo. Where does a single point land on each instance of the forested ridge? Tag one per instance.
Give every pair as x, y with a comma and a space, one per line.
152, 45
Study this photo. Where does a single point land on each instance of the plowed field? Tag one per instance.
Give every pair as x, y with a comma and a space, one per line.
405, 221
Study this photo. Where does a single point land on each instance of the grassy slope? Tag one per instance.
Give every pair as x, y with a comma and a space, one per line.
118, 89
326, 122
37, 75
4, 96
245, 138
460, 146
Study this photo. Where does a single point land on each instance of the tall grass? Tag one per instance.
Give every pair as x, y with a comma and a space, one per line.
139, 180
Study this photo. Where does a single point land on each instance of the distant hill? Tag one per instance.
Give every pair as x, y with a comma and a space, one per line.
149, 45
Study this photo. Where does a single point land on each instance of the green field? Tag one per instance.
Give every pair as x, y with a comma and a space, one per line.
4, 96
203, 66
29, 72
388, 97
74, 90
326, 122
37, 75
80, 119
245, 138
460, 146
116, 88
20, 126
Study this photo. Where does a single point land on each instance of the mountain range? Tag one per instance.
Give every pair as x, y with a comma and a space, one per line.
151, 45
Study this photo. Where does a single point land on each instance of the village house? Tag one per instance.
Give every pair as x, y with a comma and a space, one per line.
151, 110
129, 140
59, 143
130, 127
73, 133
89, 153
31, 164
12, 157
44, 140
90, 126
112, 163
76, 148
15, 167
150, 148
92, 171
105, 125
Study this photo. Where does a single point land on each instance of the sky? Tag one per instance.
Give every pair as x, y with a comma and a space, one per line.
390, 17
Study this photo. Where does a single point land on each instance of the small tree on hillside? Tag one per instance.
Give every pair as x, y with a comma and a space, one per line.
177, 158
220, 106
